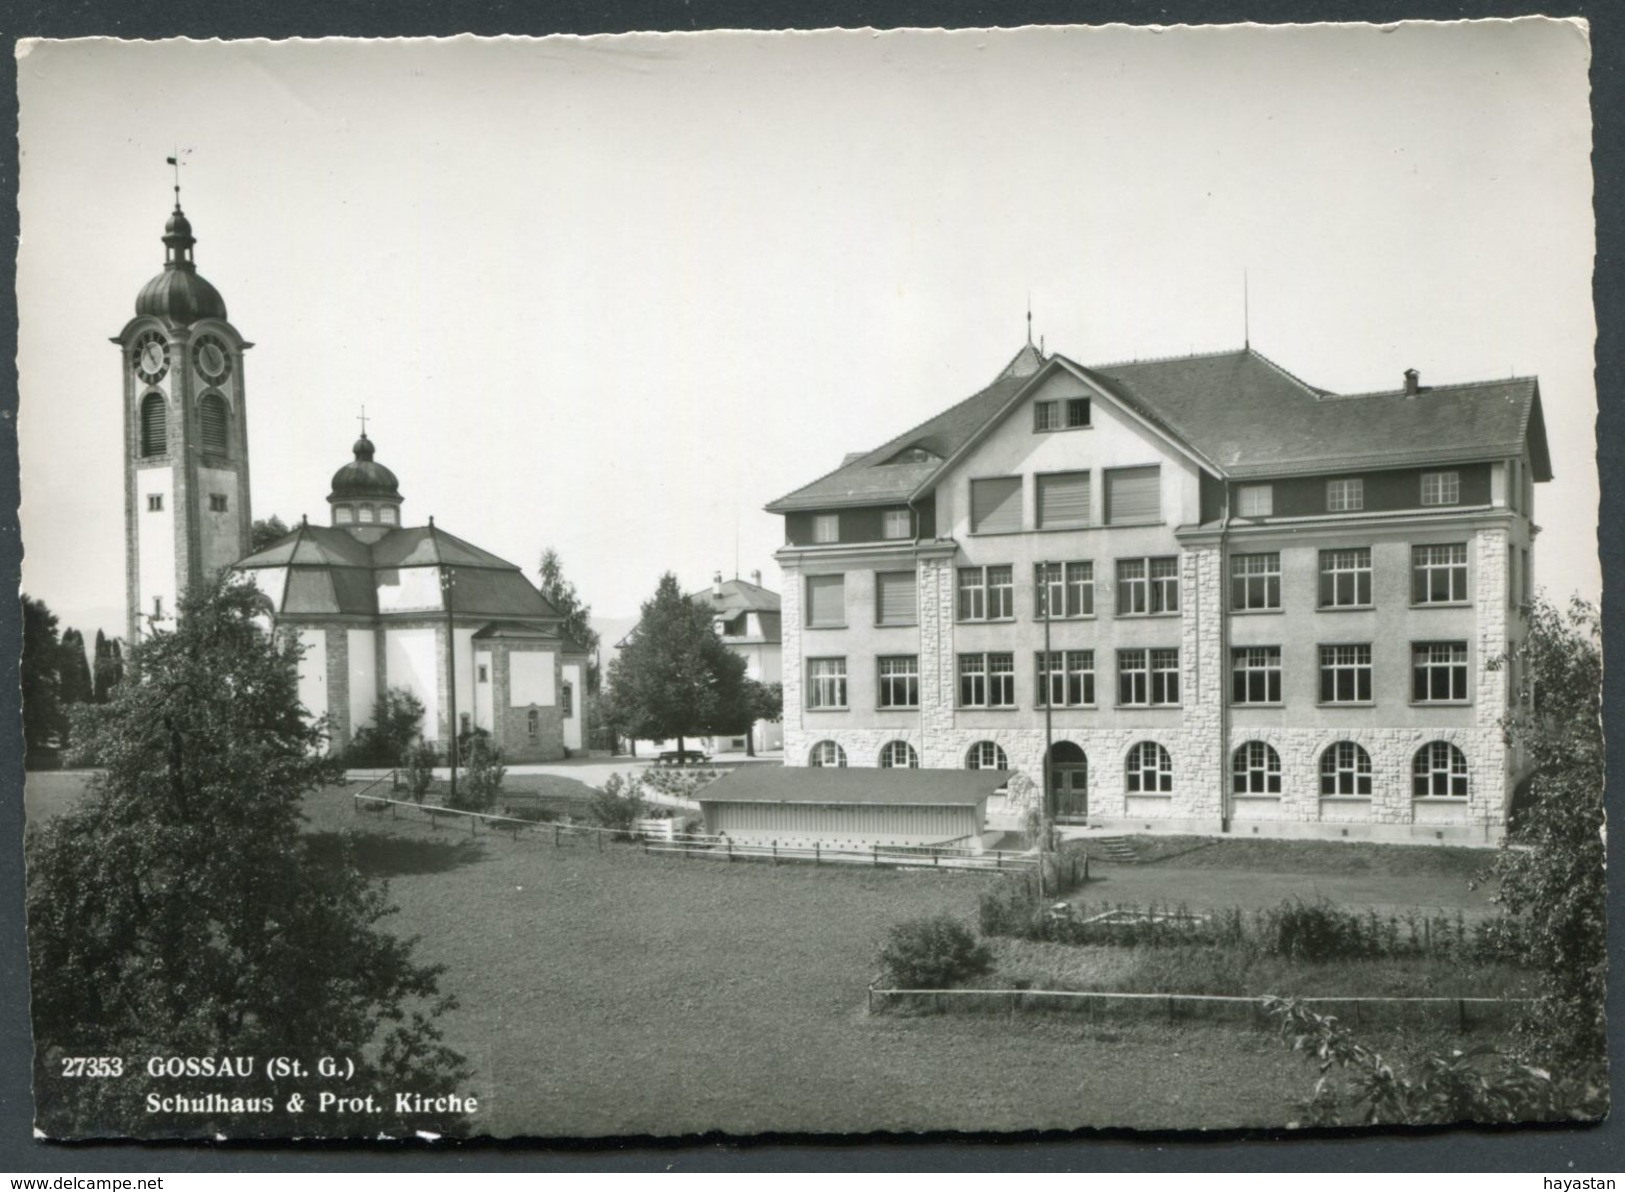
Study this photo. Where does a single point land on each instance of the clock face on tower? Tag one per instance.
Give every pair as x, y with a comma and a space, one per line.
150, 357
211, 358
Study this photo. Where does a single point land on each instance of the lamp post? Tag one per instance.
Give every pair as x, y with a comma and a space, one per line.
448, 585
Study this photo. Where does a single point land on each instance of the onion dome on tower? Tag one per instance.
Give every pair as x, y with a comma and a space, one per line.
178, 294
366, 496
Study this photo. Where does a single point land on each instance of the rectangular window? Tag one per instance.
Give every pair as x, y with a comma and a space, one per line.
1063, 500
826, 600
1255, 582
1439, 672
217, 502
567, 700
1255, 675
1066, 679
900, 682
896, 523
895, 600
1345, 496
1046, 415
1528, 578
1147, 678
1147, 586
995, 505
1514, 487
1001, 593
972, 594
1345, 578
155, 502
1439, 574
826, 527
1345, 674
1077, 412
1512, 574
1066, 588
1255, 500
987, 680
1133, 496
1055, 415
484, 674
826, 683
1441, 488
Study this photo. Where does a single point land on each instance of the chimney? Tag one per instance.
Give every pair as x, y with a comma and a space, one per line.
756, 578
1413, 382
716, 585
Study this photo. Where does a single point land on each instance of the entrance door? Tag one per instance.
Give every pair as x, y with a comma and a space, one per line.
1069, 776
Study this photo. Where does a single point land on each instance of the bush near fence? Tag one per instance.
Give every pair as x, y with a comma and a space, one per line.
1297, 930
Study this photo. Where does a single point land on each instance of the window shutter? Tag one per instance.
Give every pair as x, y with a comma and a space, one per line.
214, 424
826, 600
995, 505
895, 596
1133, 495
154, 425
1063, 499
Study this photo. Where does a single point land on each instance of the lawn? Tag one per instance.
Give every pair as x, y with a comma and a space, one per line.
617, 993
614, 993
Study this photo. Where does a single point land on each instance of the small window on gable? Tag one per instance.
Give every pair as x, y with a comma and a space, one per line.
1046, 415
1077, 412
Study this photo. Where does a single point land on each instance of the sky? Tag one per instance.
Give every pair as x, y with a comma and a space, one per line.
612, 295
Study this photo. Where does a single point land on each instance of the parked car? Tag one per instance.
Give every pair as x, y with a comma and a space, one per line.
682, 757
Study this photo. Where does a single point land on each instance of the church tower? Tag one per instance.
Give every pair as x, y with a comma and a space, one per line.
186, 511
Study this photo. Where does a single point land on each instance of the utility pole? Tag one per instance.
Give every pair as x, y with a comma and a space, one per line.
448, 586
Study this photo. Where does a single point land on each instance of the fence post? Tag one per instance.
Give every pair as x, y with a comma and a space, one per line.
473, 824
730, 852
876, 850
600, 836
1170, 1008
1086, 869
998, 859
1461, 1012
555, 836
818, 852
775, 862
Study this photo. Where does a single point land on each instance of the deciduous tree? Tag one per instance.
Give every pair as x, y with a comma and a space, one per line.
44, 721
674, 678
182, 911
265, 531
108, 666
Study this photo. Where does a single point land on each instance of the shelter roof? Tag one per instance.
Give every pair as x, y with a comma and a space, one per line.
826, 784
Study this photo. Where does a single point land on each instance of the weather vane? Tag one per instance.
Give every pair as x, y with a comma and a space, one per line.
176, 162
362, 418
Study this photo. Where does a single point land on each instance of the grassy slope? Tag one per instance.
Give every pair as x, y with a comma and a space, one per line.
617, 993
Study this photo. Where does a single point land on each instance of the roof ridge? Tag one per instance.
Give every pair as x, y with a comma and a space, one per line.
911, 430
1164, 359
1426, 389
1289, 375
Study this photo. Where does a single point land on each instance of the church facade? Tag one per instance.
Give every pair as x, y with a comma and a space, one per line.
376, 603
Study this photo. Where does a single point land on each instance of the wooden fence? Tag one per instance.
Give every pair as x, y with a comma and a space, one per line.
1174, 1006
514, 827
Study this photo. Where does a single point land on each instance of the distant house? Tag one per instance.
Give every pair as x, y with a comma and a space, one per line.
746, 618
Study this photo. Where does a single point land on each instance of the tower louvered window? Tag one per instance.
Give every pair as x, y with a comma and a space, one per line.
214, 419
154, 425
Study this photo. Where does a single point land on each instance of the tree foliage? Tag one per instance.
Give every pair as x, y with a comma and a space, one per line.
77, 686
1552, 872
181, 911
397, 721
674, 678
932, 952
44, 721
108, 666
265, 531
577, 613
1357, 1086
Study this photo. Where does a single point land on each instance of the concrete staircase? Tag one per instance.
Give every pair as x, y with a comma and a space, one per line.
1116, 849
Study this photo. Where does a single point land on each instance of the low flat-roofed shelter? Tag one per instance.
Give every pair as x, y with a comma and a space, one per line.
844, 808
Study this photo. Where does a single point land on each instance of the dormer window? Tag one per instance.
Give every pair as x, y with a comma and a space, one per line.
1255, 500
1441, 488
915, 455
1345, 496
895, 523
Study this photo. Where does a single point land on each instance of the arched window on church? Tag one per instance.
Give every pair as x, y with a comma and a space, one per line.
366, 515
343, 515
154, 425
215, 419
386, 514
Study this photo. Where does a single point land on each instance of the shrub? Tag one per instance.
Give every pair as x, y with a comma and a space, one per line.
481, 780
417, 767
679, 783
397, 720
1319, 931
932, 953
617, 803
1009, 908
